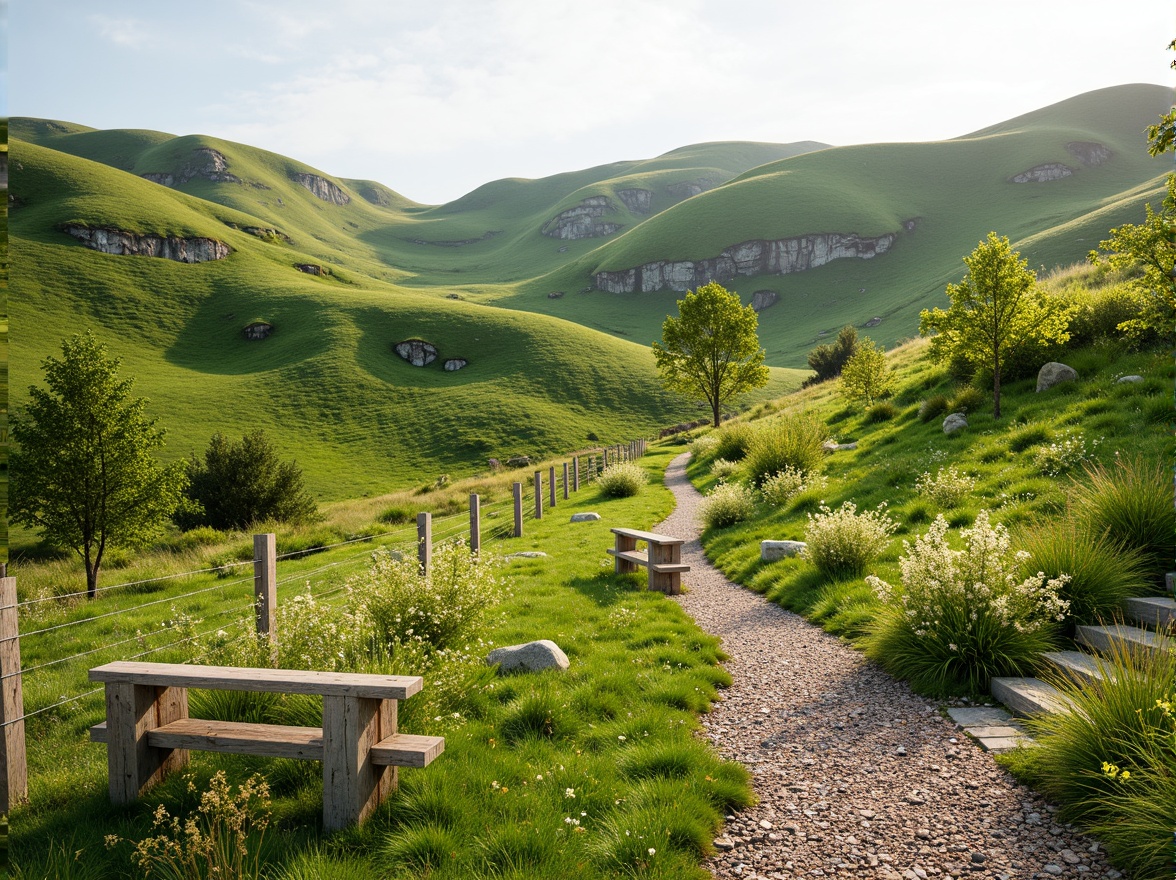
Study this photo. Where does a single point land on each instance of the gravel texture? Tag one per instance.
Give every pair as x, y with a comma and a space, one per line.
855, 774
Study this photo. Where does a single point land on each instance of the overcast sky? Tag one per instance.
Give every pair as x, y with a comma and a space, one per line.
435, 98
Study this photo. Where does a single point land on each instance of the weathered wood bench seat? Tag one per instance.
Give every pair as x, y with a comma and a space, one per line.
663, 558
148, 732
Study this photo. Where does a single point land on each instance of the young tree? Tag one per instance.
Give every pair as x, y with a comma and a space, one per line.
865, 376
242, 483
711, 351
995, 310
82, 471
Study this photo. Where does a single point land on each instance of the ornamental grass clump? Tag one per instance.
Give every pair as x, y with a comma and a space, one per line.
782, 486
791, 441
622, 480
704, 445
946, 489
733, 441
842, 543
724, 469
962, 617
727, 504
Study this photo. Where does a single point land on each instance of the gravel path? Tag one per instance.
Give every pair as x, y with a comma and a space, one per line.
855, 774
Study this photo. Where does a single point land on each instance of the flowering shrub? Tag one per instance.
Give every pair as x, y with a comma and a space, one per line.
946, 489
622, 480
841, 543
724, 469
1065, 454
963, 616
397, 605
727, 504
703, 445
782, 486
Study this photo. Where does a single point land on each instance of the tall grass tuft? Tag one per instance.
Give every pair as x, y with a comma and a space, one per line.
842, 543
1102, 573
622, 480
1110, 762
961, 617
733, 441
727, 504
791, 441
1131, 503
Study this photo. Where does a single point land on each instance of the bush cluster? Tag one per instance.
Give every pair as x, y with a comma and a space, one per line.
790, 441
968, 399
703, 445
933, 406
622, 480
724, 469
727, 504
842, 543
782, 486
961, 617
733, 441
1064, 454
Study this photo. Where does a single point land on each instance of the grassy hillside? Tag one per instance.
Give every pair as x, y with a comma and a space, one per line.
326, 384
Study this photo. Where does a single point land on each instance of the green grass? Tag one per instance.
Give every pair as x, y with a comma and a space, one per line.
617, 729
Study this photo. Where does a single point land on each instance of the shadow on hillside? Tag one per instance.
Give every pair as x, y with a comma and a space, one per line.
607, 588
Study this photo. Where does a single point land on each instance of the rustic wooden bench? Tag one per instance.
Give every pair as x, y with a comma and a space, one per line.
663, 558
148, 732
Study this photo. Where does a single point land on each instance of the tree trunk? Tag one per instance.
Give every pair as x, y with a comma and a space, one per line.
996, 386
715, 406
91, 579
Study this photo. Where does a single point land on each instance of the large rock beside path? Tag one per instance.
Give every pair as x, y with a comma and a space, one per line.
770, 551
1053, 374
531, 657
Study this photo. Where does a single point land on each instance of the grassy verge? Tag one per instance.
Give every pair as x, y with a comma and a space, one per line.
595, 771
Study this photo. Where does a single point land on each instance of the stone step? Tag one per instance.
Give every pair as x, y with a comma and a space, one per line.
1074, 665
1108, 639
1151, 612
1028, 696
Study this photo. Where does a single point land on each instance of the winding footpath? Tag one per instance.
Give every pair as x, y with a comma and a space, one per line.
856, 775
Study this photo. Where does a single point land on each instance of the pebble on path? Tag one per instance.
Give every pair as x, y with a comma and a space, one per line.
855, 774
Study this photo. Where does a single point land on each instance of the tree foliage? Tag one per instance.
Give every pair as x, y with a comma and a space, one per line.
711, 351
83, 473
1148, 247
996, 310
865, 376
828, 359
245, 482
1161, 137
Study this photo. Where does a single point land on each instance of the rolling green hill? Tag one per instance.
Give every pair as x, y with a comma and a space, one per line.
505, 277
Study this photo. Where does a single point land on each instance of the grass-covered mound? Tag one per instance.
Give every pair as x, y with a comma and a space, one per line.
595, 771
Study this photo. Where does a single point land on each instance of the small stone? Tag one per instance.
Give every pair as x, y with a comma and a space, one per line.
901, 750
1129, 379
527, 554
978, 858
1070, 857
585, 517
867, 814
1054, 869
765, 824
923, 834
724, 844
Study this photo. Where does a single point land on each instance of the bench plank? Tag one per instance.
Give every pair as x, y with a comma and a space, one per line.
637, 557
651, 537
240, 738
408, 750
669, 567
284, 681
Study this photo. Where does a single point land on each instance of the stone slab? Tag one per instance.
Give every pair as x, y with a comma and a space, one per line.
1003, 743
773, 550
995, 731
979, 716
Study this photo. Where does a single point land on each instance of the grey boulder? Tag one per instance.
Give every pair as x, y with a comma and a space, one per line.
955, 422
1054, 373
531, 657
773, 550
585, 517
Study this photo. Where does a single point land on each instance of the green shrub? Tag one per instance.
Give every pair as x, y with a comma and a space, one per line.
1064, 454
1026, 436
842, 543
961, 617
933, 406
968, 399
724, 469
622, 480
727, 504
881, 412
782, 486
733, 441
946, 489
827, 360
704, 445
398, 514
1131, 503
1110, 764
791, 441
1102, 574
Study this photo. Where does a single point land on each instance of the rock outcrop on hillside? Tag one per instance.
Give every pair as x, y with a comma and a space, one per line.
322, 188
689, 188
1089, 152
116, 241
416, 351
583, 221
763, 299
639, 201
750, 258
206, 163
1043, 173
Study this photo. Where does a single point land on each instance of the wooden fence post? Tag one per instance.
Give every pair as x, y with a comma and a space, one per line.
551, 484
475, 523
576, 474
518, 509
538, 494
425, 540
265, 584
14, 787
565, 481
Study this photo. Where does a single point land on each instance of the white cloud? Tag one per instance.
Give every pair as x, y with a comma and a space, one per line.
126, 32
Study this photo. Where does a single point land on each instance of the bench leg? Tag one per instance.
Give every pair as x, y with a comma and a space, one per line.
623, 543
131, 711
668, 582
352, 785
